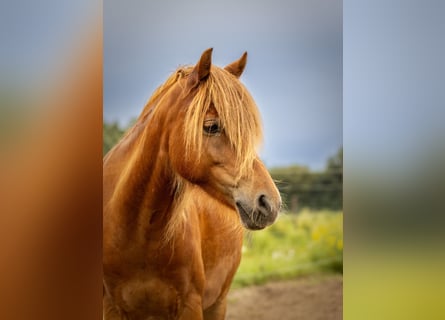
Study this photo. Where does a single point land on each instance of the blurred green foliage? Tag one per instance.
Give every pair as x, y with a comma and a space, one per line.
304, 243
16, 116
393, 281
302, 188
112, 133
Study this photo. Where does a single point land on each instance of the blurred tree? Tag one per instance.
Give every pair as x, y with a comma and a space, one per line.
334, 170
111, 135
301, 188
336, 162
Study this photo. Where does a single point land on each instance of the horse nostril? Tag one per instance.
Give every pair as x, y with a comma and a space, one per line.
263, 203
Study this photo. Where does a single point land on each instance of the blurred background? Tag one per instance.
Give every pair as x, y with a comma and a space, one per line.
294, 73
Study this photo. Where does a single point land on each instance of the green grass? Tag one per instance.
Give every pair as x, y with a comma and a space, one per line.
297, 244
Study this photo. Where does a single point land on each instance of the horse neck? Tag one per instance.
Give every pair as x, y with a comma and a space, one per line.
144, 188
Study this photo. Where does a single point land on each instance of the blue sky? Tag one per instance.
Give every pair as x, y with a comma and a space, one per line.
33, 35
394, 76
294, 69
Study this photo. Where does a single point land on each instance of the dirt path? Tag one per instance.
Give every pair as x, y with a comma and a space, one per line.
309, 298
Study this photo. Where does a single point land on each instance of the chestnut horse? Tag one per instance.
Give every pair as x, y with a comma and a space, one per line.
178, 189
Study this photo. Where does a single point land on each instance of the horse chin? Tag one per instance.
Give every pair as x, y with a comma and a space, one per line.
248, 215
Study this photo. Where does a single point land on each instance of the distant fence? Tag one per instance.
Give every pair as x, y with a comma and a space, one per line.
306, 189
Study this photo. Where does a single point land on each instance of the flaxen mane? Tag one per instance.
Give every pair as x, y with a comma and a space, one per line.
236, 109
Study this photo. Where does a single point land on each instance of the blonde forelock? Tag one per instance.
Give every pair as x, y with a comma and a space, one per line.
238, 114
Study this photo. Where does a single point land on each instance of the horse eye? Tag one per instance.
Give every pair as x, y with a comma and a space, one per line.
211, 127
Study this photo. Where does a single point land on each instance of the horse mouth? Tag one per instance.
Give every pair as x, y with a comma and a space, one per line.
248, 217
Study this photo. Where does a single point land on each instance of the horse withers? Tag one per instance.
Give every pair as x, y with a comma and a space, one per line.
177, 191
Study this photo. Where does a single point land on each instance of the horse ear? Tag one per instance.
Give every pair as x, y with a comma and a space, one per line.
237, 67
202, 69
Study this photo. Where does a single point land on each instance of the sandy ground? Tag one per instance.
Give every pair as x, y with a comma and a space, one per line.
308, 298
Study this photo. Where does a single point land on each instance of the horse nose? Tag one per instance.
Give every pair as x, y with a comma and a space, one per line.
265, 205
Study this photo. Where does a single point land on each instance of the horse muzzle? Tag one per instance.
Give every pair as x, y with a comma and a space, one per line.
260, 215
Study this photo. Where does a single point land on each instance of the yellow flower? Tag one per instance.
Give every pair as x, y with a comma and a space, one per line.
331, 241
315, 235
340, 244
